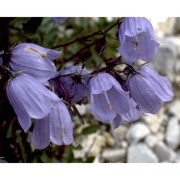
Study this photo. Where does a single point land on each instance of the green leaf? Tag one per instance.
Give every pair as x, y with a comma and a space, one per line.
90, 129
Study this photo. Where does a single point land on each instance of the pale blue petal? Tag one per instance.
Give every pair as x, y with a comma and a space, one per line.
61, 130
102, 82
41, 133
133, 113
23, 118
137, 40
101, 109
33, 96
117, 121
119, 100
34, 60
162, 86
143, 94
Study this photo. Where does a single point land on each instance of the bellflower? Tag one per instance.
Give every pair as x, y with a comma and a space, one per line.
132, 115
107, 97
29, 99
56, 127
149, 89
34, 60
137, 40
73, 87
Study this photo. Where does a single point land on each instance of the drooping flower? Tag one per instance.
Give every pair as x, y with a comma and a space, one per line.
72, 84
107, 97
149, 89
34, 60
137, 40
55, 128
29, 99
132, 115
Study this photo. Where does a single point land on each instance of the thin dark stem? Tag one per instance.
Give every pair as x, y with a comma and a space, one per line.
79, 52
119, 20
78, 39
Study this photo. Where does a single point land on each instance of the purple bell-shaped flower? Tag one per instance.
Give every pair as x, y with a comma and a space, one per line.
107, 97
137, 40
55, 128
149, 90
72, 84
34, 60
29, 99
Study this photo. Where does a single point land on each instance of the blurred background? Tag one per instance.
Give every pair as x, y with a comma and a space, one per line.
151, 139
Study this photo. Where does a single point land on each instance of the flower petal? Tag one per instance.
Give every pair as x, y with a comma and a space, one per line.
161, 84
137, 40
40, 137
34, 60
35, 99
23, 118
133, 113
101, 109
143, 93
119, 100
116, 121
61, 130
102, 82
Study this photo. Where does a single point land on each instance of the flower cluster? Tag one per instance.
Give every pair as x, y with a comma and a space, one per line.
121, 91
116, 96
32, 67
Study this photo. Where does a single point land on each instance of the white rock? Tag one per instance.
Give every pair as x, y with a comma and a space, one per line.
151, 140
83, 109
91, 145
166, 56
160, 136
167, 27
114, 155
141, 153
123, 144
173, 133
137, 132
153, 121
174, 108
110, 141
163, 152
120, 132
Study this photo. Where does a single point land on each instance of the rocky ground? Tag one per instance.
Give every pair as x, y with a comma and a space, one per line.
153, 138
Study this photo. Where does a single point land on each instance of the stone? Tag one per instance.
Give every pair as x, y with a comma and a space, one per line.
141, 153
151, 140
120, 132
114, 155
123, 144
173, 133
176, 28
137, 132
167, 27
163, 152
174, 108
110, 142
177, 158
165, 58
153, 121
91, 145
83, 109
160, 136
